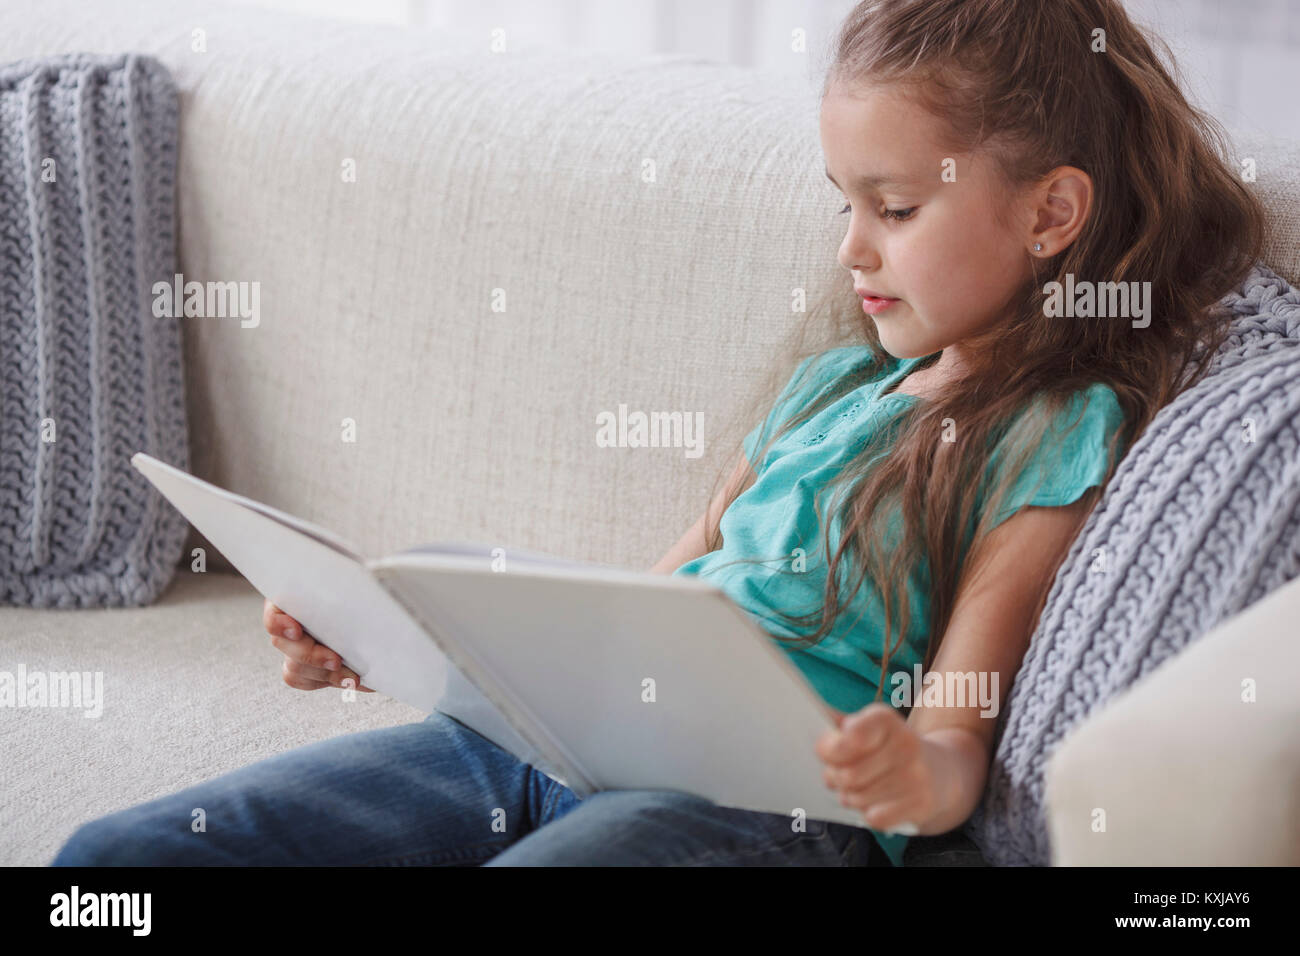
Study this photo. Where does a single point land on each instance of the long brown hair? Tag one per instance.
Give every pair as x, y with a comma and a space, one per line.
1020, 80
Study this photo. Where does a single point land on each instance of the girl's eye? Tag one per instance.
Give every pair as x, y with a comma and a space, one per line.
899, 215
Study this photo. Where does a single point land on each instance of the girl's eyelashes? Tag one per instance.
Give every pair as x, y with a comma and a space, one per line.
897, 215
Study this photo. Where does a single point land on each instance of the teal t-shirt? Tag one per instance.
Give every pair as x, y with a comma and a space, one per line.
774, 522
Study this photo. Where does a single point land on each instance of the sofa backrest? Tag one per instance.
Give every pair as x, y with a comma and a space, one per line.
470, 256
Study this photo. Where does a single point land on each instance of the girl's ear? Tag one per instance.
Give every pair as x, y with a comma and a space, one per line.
1063, 206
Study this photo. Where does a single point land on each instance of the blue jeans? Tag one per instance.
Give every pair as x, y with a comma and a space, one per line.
436, 793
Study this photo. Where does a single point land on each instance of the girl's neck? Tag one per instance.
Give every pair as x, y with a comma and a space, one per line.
925, 382
946, 365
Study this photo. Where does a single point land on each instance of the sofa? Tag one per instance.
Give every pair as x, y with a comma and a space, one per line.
468, 255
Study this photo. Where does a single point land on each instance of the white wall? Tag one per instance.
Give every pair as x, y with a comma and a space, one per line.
1240, 58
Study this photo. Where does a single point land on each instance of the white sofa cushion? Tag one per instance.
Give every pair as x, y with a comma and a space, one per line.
1195, 764
189, 688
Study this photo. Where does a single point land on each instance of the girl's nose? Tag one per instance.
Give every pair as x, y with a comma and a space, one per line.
858, 254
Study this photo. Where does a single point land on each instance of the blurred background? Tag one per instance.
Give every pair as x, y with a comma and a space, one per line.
1240, 58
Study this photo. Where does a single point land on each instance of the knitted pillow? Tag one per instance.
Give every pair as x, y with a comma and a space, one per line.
1201, 520
88, 375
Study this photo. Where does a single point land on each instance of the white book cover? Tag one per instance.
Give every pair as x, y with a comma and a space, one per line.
601, 677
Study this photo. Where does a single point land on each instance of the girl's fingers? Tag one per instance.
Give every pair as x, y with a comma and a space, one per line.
277, 621
314, 664
343, 674
299, 682
307, 651
866, 775
300, 650
274, 619
288, 626
326, 678
268, 609
317, 674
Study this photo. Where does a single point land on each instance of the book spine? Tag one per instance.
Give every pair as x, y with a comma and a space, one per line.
527, 726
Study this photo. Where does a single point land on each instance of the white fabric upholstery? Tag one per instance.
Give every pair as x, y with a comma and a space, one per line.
523, 174
1194, 765
476, 172
191, 689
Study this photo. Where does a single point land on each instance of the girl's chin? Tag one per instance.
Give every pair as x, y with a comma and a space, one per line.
905, 350
896, 345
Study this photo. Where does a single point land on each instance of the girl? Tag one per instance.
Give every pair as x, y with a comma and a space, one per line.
905, 504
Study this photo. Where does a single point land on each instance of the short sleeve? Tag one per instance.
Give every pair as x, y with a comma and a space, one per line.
1072, 457
809, 378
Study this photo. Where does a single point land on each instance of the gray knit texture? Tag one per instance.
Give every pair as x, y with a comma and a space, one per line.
1197, 524
79, 345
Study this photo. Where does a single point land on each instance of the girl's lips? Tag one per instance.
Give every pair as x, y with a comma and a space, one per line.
874, 305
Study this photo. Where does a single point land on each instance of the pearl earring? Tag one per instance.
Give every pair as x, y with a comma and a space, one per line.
1038, 247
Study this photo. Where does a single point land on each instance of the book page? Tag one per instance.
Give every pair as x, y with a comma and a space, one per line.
315, 578
637, 680
496, 556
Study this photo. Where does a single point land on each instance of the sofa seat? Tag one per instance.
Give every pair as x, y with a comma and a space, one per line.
192, 688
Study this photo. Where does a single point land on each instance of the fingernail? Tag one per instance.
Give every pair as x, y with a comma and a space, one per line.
291, 632
331, 665
904, 829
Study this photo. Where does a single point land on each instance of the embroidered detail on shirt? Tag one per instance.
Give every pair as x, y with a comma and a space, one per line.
846, 415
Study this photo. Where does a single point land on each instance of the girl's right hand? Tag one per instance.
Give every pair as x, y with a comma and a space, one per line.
308, 664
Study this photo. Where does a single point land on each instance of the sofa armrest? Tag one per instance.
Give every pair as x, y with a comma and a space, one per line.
1198, 763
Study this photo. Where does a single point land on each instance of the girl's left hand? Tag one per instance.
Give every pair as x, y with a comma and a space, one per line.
882, 767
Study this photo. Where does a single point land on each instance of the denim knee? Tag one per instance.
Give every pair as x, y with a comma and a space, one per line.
92, 844
115, 840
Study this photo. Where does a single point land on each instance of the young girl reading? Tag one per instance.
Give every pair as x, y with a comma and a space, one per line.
905, 504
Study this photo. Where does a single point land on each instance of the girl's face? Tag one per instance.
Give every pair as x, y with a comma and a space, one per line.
918, 234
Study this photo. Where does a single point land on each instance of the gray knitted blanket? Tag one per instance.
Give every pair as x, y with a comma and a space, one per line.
88, 375
1201, 520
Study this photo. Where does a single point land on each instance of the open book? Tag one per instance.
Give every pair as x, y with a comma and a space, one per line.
601, 677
